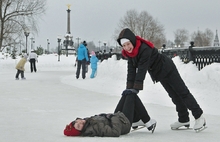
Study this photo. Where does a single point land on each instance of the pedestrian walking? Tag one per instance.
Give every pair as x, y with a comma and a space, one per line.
33, 60
82, 60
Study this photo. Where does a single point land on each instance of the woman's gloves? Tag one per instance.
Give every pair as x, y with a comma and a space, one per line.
129, 91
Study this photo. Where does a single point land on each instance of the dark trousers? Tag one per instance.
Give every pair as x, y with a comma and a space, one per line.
81, 63
33, 65
18, 73
181, 96
133, 108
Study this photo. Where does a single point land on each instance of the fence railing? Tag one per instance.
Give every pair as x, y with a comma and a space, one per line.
201, 56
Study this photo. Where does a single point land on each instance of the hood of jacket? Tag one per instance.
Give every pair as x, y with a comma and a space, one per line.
82, 46
128, 34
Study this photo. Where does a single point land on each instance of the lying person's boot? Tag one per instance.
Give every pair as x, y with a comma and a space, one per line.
151, 124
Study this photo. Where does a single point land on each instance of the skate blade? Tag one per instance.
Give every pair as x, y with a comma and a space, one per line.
200, 129
154, 126
138, 128
184, 127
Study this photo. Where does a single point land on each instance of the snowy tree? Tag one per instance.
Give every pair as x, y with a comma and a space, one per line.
16, 16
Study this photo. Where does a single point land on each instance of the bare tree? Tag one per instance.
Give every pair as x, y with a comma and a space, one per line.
208, 36
16, 16
203, 38
182, 35
144, 25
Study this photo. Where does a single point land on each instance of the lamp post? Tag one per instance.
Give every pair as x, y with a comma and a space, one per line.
66, 42
59, 40
32, 41
20, 46
34, 44
78, 38
105, 46
177, 42
26, 33
99, 45
48, 43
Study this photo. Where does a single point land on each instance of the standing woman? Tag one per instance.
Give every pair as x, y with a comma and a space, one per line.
143, 57
82, 59
33, 60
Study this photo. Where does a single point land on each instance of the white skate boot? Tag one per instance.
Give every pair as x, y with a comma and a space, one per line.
151, 124
178, 124
199, 124
136, 124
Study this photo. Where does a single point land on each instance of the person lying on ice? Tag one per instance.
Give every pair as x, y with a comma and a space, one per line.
129, 112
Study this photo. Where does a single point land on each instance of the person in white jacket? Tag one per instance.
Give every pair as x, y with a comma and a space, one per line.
33, 60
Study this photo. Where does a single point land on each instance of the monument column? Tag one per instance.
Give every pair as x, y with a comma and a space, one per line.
68, 19
68, 42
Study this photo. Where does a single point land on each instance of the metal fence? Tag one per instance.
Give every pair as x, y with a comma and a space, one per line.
201, 56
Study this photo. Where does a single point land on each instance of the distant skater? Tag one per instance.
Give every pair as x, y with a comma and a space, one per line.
93, 60
33, 60
20, 67
82, 59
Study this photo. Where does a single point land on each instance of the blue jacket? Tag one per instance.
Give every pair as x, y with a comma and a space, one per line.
82, 53
93, 61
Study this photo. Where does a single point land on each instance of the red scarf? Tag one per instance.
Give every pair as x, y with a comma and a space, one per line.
135, 50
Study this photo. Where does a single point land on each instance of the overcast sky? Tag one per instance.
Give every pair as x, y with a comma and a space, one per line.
96, 20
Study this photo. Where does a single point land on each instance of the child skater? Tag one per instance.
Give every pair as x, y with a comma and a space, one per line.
20, 67
93, 60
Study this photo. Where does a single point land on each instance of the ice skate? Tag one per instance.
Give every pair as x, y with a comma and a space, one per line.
16, 78
178, 124
200, 124
136, 124
135, 127
23, 78
150, 125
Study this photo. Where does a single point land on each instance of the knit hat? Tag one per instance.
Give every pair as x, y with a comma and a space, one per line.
128, 34
123, 40
84, 43
71, 131
92, 53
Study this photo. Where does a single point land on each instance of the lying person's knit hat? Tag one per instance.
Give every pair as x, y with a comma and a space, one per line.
71, 131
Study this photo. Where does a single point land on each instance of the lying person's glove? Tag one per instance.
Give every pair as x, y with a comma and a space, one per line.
129, 91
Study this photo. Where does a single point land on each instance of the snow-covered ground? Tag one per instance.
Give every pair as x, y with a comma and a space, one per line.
37, 109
